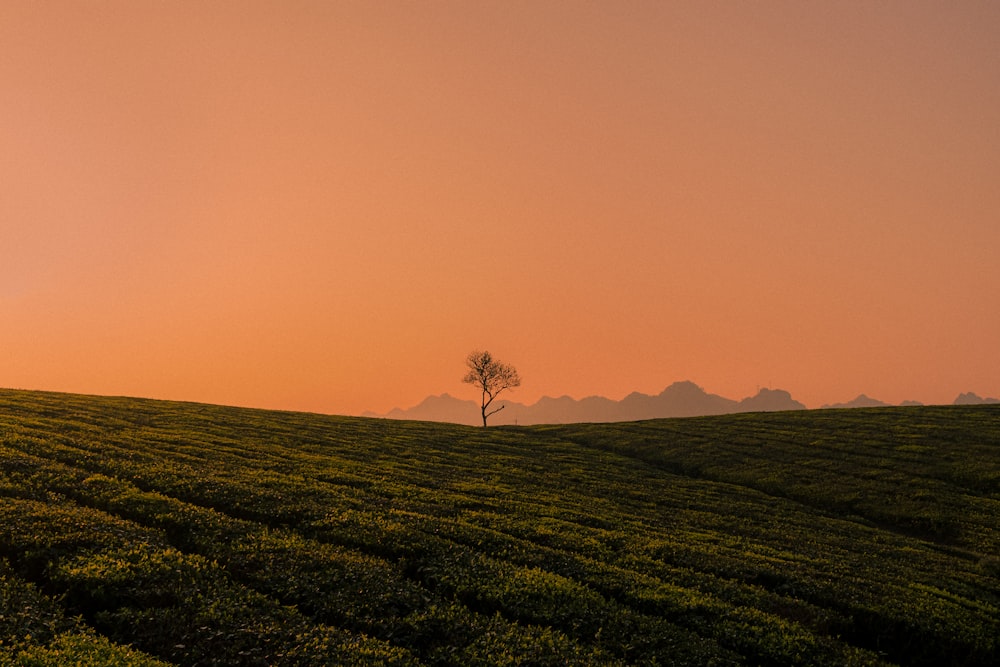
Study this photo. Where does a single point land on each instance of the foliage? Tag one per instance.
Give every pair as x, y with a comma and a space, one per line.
34, 632
141, 532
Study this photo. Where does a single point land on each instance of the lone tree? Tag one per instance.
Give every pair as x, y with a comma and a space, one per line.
492, 377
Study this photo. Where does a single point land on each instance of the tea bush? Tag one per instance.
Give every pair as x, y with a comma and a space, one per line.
152, 532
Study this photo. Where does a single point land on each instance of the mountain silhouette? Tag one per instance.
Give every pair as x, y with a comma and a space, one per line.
443, 408
681, 399
770, 400
861, 401
973, 399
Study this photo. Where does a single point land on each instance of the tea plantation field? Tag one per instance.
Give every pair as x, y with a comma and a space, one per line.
137, 532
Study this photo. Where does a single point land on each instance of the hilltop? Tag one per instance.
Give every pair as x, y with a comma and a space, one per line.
153, 533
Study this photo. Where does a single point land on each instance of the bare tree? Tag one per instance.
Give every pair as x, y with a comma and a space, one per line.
492, 377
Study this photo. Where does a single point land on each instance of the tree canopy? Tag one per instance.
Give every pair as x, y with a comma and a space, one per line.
492, 377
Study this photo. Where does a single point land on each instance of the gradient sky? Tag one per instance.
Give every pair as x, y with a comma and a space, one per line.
326, 205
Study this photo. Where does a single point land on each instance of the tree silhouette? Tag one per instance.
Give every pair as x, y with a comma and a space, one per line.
492, 377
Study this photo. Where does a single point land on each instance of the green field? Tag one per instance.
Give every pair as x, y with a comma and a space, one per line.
136, 532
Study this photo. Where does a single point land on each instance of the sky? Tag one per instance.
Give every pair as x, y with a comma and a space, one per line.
326, 205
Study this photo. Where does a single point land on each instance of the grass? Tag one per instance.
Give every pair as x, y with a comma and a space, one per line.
136, 532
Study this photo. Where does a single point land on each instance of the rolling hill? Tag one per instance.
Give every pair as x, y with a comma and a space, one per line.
138, 532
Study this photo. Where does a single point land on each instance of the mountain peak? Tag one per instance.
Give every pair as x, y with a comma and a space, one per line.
770, 400
971, 398
684, 386
862, 401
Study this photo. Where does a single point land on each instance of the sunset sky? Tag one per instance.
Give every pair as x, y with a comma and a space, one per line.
326, 205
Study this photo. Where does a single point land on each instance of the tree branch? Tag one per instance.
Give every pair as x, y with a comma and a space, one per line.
492, 377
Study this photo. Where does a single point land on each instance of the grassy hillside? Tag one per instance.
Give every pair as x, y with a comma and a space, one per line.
140, 532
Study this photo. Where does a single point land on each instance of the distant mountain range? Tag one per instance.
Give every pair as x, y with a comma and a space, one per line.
681, 399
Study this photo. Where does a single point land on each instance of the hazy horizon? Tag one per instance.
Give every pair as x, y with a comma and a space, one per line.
325, 206
508, 397
511, 397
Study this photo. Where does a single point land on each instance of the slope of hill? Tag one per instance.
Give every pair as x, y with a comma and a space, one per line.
149, 533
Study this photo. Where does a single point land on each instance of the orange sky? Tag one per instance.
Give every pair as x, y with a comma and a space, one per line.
325, 206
